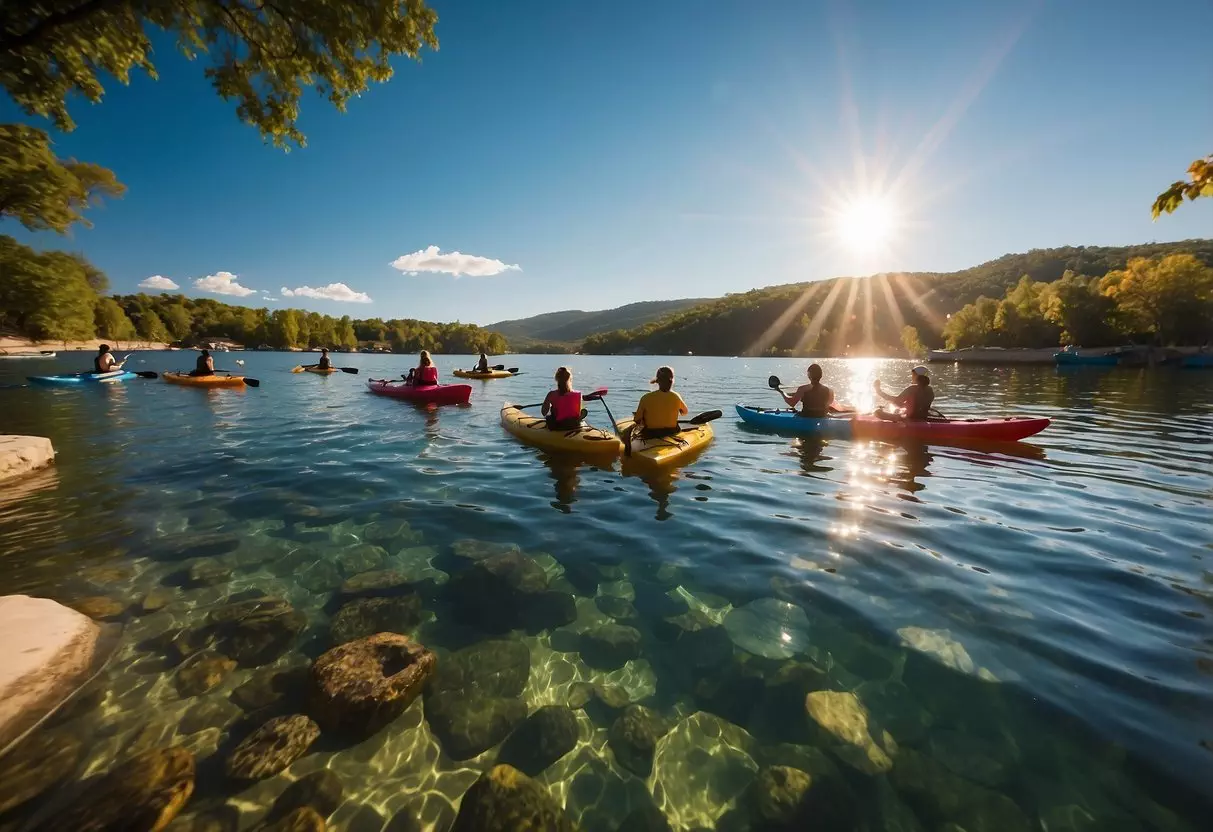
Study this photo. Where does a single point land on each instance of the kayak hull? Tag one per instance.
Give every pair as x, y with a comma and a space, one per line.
482, 376
83, 378
667, 451
786, 421
186, 380
1009, 429
533, 430
1072, 359
429, 394
321, 372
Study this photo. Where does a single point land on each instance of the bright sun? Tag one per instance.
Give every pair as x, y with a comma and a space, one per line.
867, 223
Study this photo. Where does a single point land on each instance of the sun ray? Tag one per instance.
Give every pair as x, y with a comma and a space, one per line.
891, 303
838, 345
772, 333
813, 332
917, 300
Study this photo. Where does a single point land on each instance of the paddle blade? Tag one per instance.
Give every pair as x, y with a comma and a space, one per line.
146, 374
497, 367
351, 370
774, 383
252, 382
595, 395
705, 417
512, 370
298, 369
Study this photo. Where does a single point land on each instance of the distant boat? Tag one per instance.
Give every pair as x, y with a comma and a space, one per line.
43, 354
1200, 360
1075, 359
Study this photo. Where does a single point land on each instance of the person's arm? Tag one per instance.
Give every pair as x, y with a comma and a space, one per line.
210, 363
899, 400
682, 406
547, 404
638, 416
793, 399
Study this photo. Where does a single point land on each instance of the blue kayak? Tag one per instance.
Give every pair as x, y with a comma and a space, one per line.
787, 421
84, 378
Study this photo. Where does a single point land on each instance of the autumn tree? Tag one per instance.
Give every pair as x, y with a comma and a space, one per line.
261, 55
1082, 312
1171, 298
972, 325
1199, 183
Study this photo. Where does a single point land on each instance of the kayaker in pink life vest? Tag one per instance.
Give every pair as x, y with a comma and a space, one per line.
425, 373
562, 407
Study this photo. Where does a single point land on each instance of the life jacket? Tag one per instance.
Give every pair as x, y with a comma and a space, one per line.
920, 410
426, 376
325, 363
200, 368
566, 406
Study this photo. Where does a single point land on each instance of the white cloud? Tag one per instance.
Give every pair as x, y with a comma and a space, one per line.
432, 260
157, 281
333, 291
223, 283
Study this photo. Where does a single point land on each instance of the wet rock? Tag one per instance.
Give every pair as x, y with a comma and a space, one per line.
257, 631
940, 644
844, 722
378, 582
769, 628
471, 702
506, 800
777, 796
542, 739
361, 686
208, 573
210, 713
364, 617
610, 646
611, 697
734, 690
321, 790
102, 577
143, 793
469, 726
633, 738
361, 557
99, 607
204, 743
319, 577
391, 534
416, 563
497, 667
647, 818
269, 686
701, 766
222, 819
303, 819
620, 609
36, 765
939, 795
547, 611
203, 672
155, 601
480, 549
271, 748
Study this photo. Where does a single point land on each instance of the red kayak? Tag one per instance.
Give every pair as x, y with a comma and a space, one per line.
1010, 429
428, 394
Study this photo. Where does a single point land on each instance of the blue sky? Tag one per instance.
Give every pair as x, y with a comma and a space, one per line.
635, 151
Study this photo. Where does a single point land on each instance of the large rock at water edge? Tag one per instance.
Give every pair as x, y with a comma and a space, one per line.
506, 800
361, 686
272, 747
143, 794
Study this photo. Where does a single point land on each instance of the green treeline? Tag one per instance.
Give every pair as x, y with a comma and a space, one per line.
1044, 297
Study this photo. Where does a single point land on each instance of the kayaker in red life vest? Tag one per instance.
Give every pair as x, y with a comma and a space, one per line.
814, 398
104, 360
562, 407
915, 400
205, 366
425, 373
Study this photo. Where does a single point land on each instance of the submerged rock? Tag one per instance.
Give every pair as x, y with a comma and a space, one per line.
269, 686
209, 713
363, 685
361, 557
940, 644
303, 819
480, 549
633, 738
939, 795
778, 796
542, 739
390, 534
321, 790
469, 726
843, 719
155, 600
203, 672
506, 800
143, 793
271, 748
379, 582
508, 591
769, 628
208, 572
319, 577
610, 646
701, 766
620, 609
256, 631
364, 617
36, 765
99, 607
893, 706
497, 667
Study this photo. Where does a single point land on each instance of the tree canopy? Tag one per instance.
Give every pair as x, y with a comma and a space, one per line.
42, 191
263, 53
1199, 183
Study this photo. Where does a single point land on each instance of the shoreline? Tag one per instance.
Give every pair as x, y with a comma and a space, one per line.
11, 345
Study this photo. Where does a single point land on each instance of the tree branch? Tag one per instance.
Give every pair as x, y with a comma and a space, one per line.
44, 27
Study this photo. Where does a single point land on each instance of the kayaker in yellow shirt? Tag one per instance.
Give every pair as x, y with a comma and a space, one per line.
658, 411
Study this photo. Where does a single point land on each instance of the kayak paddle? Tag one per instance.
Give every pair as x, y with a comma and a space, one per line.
775, 384
252, 382
145, 374
702, 418
594, 396
351, 370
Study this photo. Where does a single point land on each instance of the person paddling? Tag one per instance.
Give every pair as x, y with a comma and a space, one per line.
482, 366
658, 411
104, 360
915, 400
325, 362
425, 374
562, 406
205, 365
815, 399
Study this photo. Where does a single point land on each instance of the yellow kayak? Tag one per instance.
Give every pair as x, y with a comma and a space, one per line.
660, 452
533, 430
321, 372
203, 381
489, 374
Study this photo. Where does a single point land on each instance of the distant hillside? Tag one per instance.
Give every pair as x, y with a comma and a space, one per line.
574, 326
862, 315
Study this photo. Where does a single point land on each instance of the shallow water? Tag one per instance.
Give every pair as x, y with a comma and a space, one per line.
1025, 630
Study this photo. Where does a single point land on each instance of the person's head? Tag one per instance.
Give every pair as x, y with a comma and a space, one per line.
206, 353
324, 351
664, 379
919, 374
815, 373
484, 357
103, 349
564, 379
425, 358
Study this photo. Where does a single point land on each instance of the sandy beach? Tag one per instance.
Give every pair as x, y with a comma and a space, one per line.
9, 344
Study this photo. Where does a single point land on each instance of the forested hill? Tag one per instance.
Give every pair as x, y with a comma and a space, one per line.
575, 325
869, 315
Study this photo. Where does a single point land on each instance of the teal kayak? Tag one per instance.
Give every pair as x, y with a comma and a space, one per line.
787, 421
84, 378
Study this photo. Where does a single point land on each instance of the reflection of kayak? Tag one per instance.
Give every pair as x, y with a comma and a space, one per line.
83, 378
204, 381
428, 394
663, 451
474, 374
585, 439
787, 421
1009, 429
